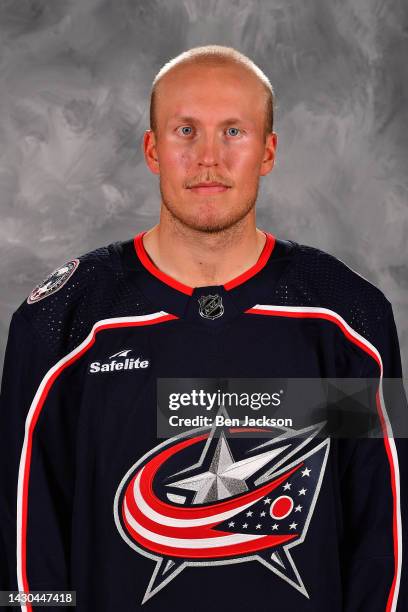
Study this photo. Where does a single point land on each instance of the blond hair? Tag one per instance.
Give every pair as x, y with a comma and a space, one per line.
216, 55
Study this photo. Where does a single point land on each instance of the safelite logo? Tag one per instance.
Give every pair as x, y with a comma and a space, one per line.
119, 361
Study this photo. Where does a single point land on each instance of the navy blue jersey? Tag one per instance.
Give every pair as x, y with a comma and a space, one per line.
93, 500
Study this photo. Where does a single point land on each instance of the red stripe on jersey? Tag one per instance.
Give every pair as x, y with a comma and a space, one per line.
76, 354
365, 346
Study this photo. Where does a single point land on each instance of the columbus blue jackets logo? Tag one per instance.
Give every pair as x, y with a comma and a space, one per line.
53, 282
211, 306
213, 497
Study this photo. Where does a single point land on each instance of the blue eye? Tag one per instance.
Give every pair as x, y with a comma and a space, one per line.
185, 127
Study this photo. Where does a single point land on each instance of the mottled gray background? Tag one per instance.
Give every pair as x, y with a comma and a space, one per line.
74, 84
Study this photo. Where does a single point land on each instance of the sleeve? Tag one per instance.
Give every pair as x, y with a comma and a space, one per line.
36, 473
374, 490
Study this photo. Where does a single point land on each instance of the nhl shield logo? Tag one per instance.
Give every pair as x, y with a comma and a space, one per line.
211, 306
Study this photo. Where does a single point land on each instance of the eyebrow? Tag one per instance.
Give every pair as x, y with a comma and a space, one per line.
228, 121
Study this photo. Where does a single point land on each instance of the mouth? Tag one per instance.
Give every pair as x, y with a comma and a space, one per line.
209, 188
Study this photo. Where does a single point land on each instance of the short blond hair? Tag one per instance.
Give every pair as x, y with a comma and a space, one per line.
216, 55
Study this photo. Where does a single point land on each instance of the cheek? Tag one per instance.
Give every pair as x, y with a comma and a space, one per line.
248, 166
243, 156
244, 170
177, 162
185, 159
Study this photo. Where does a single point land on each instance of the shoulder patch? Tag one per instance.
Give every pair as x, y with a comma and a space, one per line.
53, 282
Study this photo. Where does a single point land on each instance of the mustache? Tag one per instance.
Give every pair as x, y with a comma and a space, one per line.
212, 179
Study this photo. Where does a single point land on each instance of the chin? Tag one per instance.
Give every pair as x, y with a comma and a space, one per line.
209, 224
211, 217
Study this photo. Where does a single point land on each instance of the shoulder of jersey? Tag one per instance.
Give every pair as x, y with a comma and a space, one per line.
318, 279
62, 309
64, 285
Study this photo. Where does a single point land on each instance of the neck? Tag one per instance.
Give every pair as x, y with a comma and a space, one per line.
198, 259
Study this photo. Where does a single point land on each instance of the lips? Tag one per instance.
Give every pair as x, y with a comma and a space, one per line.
207, 188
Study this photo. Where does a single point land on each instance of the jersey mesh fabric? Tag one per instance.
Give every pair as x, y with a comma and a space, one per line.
99, 289
319, 279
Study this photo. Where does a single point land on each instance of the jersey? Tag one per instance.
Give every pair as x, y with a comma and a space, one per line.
214, 514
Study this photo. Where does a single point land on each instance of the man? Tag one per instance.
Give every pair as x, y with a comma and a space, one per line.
96, 497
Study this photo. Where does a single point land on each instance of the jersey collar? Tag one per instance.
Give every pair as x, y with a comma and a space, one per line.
238, 280
253, 286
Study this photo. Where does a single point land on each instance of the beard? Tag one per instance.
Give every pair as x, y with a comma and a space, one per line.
209, 223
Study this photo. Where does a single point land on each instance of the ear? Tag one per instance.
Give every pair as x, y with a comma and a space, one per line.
150, 151
269, 153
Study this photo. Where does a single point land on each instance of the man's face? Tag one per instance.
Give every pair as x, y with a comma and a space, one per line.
210, 128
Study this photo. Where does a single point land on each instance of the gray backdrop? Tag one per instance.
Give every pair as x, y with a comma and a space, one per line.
74, 85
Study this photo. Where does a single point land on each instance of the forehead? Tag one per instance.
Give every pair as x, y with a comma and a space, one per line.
210, 93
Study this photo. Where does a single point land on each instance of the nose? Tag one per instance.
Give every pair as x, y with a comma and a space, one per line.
208, 151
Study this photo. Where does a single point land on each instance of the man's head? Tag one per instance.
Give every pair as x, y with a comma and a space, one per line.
211, 120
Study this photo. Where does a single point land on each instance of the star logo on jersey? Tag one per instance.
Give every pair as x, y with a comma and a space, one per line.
211, 306
53, 282
212, 497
